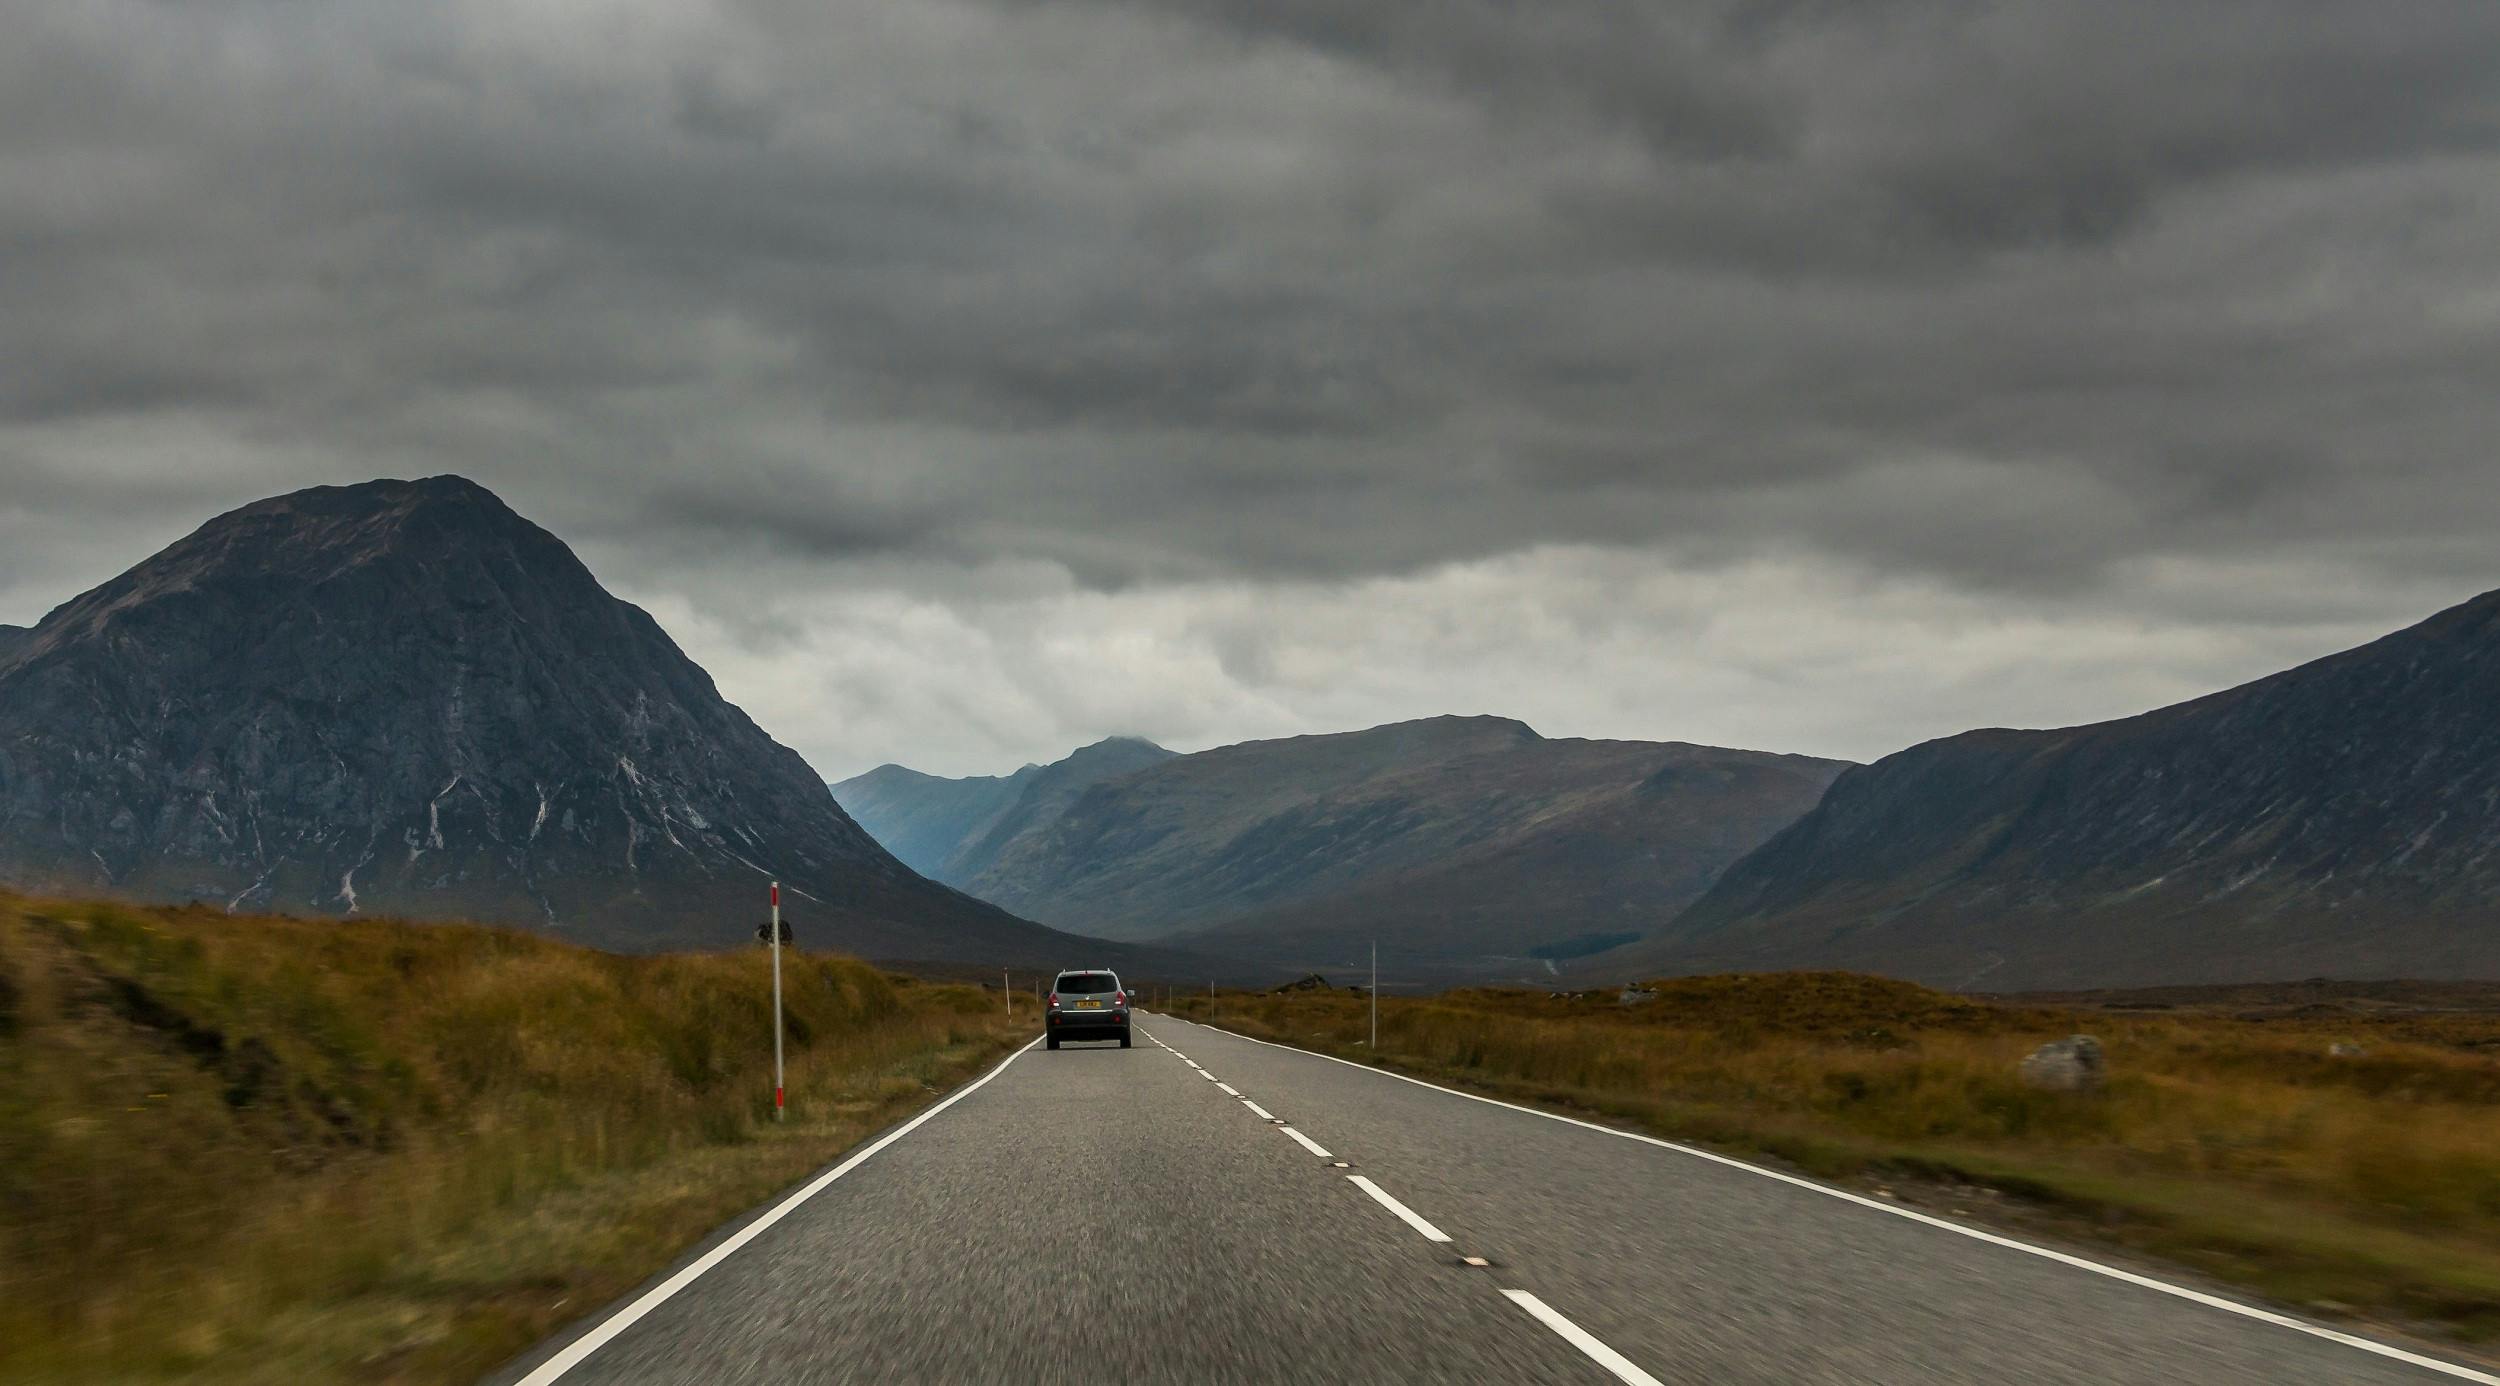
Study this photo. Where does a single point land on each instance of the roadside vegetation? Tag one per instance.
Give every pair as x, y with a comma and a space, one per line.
2342, 1158
266, 1149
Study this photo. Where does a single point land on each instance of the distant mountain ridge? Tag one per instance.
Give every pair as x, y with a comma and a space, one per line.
924, 819
2341, 818
949, 830
401, 697
1464, 843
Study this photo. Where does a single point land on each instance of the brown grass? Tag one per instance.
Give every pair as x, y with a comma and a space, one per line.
2347, 1185
273, 1149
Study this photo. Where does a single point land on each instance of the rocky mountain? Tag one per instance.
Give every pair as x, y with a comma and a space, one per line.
1465, 844
949, 830
2339, 819
401, 697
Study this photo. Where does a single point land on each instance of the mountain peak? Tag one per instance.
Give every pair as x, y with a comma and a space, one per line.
1119, 748
1451, 734
395, 542
401, 696
947, 828
309, 512
1474, 724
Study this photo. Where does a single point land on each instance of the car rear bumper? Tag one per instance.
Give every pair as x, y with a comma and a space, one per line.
1106, 1024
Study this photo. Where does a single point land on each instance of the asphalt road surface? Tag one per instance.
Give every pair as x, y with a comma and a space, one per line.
1101, 1215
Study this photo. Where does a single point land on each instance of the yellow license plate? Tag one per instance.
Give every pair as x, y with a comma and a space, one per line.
1089, 1005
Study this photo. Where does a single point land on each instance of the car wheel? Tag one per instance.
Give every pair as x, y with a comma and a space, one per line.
1124, 1041
1052, 1041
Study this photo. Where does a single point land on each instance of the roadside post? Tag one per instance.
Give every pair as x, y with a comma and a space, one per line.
1375, 995
777, 1087
1007, 994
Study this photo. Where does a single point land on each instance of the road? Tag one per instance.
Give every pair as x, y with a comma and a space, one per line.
1105, 1215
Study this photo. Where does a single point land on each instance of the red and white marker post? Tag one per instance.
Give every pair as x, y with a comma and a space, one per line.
777, 1089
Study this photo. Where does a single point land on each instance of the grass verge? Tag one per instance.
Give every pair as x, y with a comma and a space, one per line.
241, 1149
2345, 1163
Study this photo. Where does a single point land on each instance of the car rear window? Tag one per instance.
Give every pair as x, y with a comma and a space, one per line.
1087, 983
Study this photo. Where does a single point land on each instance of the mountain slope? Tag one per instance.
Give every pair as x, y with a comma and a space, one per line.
921, 818
1046, 795
2341, 818
1456, 839
401, 697
950, 829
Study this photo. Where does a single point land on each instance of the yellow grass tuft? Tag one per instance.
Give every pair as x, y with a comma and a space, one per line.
260, 1149
2346, 1184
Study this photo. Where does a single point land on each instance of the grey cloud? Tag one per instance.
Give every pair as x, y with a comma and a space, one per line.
1879, 130
1161, 297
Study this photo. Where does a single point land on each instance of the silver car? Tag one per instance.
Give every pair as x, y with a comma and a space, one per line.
1089, 1005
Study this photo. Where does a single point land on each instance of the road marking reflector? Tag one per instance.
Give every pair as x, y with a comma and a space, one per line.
1381, 1195
1304, 1141
1580, 1338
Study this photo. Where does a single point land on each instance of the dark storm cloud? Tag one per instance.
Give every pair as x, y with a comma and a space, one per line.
1931, 124
2078, 311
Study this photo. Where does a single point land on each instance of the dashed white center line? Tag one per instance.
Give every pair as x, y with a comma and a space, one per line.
1305, 1142
1572, 1333
1580, 1338
1381, 1195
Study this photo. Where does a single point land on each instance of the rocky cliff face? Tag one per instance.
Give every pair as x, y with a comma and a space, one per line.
2341, 818
401, 697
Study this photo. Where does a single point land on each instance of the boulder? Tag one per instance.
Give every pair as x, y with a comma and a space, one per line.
2073, 1064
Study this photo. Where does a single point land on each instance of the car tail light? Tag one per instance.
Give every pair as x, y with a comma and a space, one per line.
1119, 998
1054, 998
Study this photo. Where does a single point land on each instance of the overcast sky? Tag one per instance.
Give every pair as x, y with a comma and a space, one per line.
964, 381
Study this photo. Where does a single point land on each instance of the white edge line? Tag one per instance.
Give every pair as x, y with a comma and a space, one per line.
1263, 1113
1381, 1196
583, 1346
1582, 1339
2229, 1306
1306, 1142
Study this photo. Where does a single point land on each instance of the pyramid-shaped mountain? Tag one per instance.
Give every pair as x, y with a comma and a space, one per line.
401, 697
